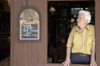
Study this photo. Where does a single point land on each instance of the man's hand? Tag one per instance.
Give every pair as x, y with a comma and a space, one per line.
93, 63
66, 62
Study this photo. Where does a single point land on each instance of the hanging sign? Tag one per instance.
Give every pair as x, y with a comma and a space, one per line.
29, 25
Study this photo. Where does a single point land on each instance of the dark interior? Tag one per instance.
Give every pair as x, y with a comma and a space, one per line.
4, 29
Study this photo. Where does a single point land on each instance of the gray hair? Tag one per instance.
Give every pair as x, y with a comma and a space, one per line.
87, 15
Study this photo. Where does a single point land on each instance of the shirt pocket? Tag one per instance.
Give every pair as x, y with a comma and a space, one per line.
89, 43
89, 39
77, 41
89, 46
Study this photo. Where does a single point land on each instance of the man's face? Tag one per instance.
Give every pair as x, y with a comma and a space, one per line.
81, 20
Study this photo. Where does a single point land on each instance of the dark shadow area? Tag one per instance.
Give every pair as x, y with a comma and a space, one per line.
4, 33
62, 16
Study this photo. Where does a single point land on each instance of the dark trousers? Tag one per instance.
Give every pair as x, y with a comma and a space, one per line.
77, 59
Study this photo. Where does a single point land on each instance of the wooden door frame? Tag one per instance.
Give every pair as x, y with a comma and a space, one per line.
97, 25
96, 31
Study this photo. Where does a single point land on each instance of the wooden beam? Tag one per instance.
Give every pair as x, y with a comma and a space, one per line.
23, 2
56, 64
69, 0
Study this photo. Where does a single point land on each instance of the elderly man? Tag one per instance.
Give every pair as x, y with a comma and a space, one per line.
81, 42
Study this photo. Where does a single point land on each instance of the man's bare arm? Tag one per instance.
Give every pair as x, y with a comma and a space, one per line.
93, 53
67, 60
93, 62
68, 51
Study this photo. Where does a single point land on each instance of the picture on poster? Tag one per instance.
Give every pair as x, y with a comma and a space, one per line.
29, 25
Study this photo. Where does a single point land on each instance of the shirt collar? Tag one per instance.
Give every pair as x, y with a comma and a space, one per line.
77, 28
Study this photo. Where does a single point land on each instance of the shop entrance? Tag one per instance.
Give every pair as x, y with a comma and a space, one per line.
62, 16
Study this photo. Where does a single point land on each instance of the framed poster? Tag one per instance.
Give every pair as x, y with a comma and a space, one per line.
29, 25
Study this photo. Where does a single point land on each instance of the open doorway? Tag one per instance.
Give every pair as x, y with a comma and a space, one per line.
4, 33
62, 16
